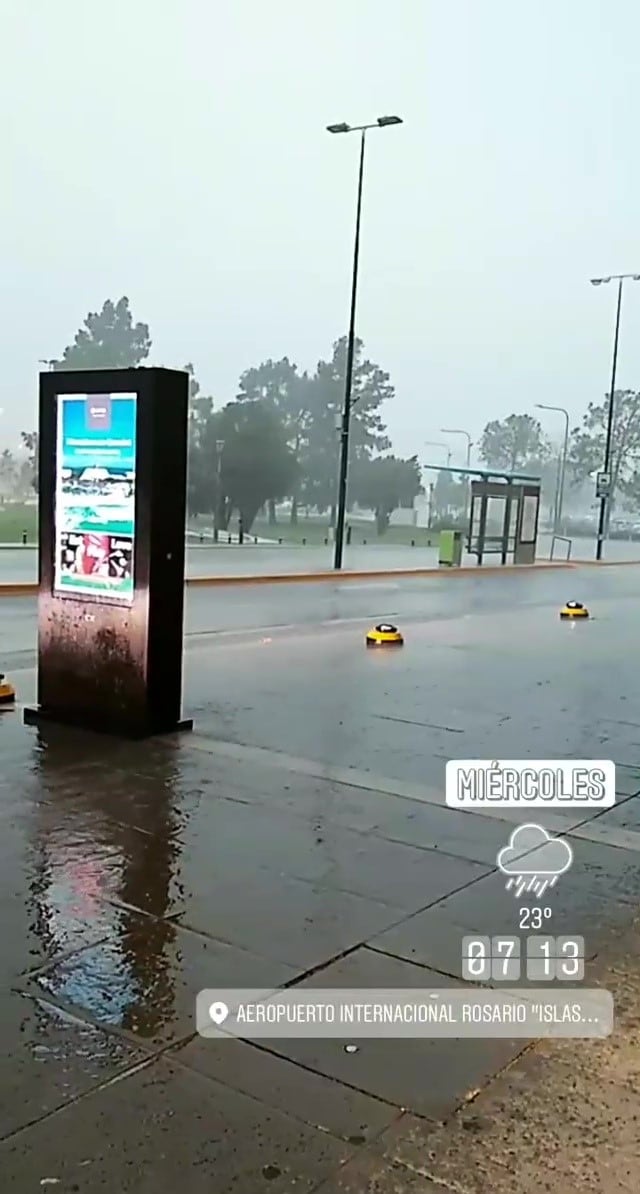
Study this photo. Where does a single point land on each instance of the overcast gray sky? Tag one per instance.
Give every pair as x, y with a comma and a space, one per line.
177, 153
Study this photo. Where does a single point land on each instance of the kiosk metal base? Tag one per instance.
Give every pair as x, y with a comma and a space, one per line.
39, 716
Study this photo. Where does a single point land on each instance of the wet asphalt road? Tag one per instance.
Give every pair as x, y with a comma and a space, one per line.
298, 836
222, 611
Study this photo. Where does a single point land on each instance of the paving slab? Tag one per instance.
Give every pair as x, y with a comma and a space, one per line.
429, 827
625, 815
144, 977
166, 1128
280, 1082
296, 922
600, 893
50, 889
230, 838
427, 1075
49, 1059
562, 1117
627, 779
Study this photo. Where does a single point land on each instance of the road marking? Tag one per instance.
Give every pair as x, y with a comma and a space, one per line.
427, 725
302, 628
358, 588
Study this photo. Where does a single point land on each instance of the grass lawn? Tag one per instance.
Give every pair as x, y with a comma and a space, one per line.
14, 519
314, 532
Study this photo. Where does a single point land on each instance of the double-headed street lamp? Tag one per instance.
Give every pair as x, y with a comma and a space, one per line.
562, 467
381, 122
606, 496
457, 431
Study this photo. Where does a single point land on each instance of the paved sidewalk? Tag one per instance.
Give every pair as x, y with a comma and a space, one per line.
136, 876
300, 836
563, 1117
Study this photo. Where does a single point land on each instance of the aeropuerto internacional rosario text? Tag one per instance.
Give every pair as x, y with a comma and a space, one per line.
454, 1012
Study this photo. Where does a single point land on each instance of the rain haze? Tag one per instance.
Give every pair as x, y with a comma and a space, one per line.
254, 542
178, 154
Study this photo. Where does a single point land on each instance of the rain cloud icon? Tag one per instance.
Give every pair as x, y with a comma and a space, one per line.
533, 860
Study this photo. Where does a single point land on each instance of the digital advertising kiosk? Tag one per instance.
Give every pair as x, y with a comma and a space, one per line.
112, 508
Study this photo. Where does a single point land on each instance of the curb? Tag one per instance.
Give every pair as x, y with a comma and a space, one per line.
368, 574
606, 563
31, 588
22, 589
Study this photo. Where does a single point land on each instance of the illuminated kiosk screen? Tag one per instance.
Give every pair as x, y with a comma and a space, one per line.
95, 496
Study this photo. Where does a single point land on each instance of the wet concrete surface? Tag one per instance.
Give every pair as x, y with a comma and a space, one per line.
413, 1075
49, 1059
563, 1117
299, 836
168, 1128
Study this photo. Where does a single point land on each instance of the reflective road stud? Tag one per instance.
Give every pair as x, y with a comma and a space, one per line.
7, 692
384, 635
573, 609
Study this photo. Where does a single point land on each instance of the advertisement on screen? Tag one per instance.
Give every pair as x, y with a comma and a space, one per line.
95, 496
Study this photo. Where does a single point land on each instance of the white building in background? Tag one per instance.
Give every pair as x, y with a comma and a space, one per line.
417, 516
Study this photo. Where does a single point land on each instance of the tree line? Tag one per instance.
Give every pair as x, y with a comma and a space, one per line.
279, 437
518, 444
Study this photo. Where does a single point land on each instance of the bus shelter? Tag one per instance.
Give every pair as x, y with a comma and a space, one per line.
502, 515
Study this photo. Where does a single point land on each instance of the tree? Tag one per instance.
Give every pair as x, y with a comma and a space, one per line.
288, 393
450, 495
513, 444
588, 443
29, 441
371, 387
256, 463
385, 484
194, 384
201, 471
108, 340
9, 471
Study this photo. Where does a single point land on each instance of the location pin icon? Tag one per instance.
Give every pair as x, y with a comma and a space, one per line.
218, 1012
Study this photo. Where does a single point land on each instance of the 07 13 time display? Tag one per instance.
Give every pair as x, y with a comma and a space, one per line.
500, 959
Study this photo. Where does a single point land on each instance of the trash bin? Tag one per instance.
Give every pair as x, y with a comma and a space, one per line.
450, 554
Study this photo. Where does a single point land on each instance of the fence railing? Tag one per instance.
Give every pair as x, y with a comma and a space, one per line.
561, 539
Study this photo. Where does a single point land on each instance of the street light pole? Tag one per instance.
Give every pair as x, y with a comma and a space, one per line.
562, 471
348, 378
218, 509
605, 500
432, 443
381, 122
460, 431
